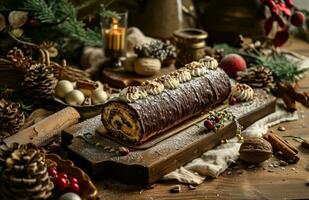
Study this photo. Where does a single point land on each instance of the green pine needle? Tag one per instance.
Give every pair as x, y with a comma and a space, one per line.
59, 18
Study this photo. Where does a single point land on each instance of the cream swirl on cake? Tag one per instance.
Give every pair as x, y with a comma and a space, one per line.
129, 94
242, 92
183, 75
142, 92
196, 68
209, 62
153, 87
169, 81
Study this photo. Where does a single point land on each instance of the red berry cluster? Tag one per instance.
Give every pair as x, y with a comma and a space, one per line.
63, 182
216, 120
282, 11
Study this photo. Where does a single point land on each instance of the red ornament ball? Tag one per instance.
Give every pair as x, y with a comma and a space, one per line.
209, 124
73, 180
233, 63
63, 175
61, 183
232, 100
74, 187
53, 172
298, 18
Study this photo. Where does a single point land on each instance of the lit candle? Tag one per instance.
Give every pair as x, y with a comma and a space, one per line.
115, 38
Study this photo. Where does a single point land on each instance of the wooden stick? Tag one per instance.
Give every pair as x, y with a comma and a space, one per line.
289, 102
47, 129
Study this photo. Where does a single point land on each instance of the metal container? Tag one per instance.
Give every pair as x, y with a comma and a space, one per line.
190, 43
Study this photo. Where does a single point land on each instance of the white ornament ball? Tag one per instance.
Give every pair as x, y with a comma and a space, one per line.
100, 86
99, 96
70, 196
63, 88
75, 97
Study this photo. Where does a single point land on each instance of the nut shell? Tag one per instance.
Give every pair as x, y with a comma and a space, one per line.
63, 88
75, 97
255, 150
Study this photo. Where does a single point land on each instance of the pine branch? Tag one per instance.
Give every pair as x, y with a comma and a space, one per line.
41, 10
51, 11
282, 68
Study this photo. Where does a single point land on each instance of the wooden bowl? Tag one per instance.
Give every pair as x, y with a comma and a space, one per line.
88, 189
85, 111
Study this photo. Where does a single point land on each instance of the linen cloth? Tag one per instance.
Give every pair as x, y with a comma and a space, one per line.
213, 162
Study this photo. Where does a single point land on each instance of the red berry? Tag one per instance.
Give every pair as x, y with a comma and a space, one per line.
298, 18
74, 187
61, 183
124, 151
53, 172
208, 124
217, 119
232, 100
233, 63
63, 175
73, 180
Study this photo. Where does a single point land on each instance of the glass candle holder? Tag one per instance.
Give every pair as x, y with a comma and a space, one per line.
114, 31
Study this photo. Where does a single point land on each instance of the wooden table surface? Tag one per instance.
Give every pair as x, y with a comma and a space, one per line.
260, 182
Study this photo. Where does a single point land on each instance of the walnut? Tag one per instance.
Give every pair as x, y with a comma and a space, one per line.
255, 150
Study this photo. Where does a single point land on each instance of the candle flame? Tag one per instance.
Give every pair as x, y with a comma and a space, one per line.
114, 23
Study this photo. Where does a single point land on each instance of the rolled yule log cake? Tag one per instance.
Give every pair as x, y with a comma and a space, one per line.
141, 112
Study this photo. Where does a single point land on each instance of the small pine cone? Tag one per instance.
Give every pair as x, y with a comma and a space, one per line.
156, 49
11, 117
40, 82
256, 77
17, 57
25, 175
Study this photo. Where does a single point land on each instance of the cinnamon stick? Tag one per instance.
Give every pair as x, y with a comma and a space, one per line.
281, 145
44, 131
87, 85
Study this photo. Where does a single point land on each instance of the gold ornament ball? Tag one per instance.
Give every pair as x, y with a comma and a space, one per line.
63, 88
75, 97
99, 96
86, 92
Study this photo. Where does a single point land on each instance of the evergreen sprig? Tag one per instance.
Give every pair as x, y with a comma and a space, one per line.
40, 10
283, 69
58, 20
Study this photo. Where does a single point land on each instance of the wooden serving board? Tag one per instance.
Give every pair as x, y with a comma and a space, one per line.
119, 78
144, 166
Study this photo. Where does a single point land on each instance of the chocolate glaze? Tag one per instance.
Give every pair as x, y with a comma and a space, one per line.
160, 112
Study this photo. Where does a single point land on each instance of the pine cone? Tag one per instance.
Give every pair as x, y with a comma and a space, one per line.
39, 82
256, 77
11, 117
156, 49
25, 175
6, 150
17, 57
